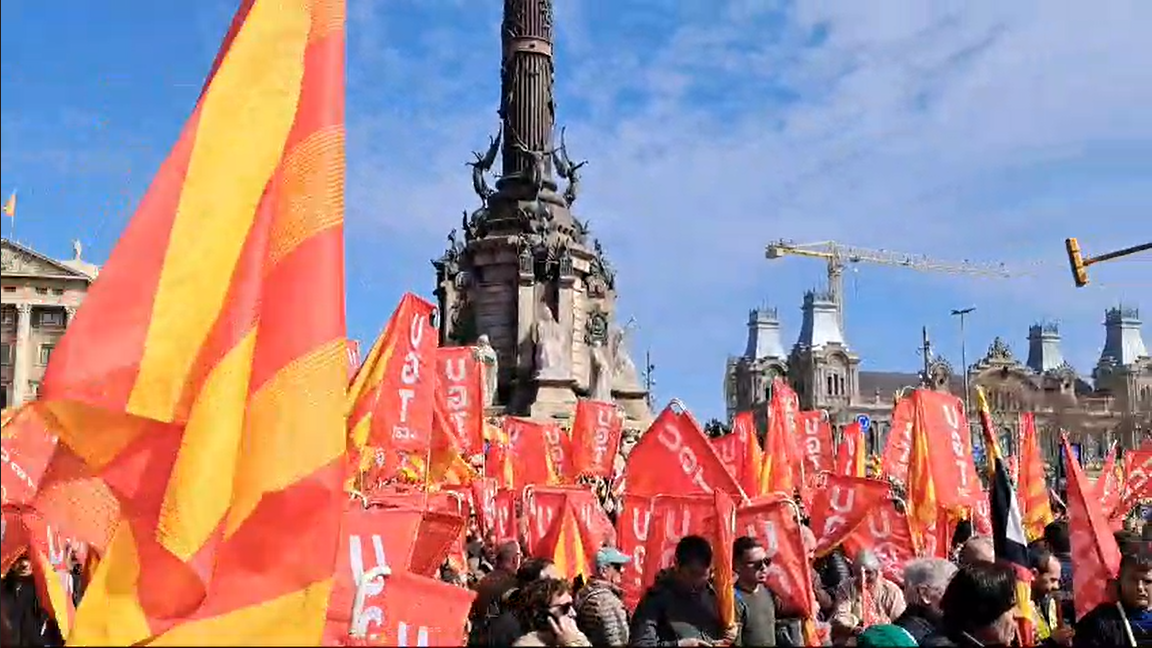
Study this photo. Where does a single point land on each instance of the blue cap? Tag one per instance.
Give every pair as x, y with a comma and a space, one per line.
611, 556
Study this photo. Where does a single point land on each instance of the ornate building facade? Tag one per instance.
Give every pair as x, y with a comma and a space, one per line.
39, 297
1113, 402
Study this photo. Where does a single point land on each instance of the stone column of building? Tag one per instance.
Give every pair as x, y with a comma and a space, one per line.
23, 353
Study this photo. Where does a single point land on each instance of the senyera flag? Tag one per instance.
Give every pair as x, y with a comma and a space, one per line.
193, 382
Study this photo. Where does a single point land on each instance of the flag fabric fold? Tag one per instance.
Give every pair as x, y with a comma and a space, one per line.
193, 383
391, 399
1033, 486
1094, 549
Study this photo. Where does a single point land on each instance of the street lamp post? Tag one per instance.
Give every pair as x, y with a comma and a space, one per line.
962, 313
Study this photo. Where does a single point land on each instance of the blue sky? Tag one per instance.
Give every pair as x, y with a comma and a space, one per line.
712, 127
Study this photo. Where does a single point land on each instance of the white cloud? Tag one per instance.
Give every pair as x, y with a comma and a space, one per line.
960, 130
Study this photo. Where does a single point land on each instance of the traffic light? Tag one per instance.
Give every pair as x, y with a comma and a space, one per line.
1076, 261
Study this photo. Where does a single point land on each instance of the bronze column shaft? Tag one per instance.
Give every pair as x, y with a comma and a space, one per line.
526, 105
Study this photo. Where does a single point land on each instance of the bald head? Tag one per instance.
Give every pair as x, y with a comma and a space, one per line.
508, 555
809, 539
978, 549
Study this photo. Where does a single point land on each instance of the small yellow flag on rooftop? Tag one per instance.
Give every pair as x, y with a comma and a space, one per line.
10, 206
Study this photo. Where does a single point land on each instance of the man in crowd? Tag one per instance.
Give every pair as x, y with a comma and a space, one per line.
680, 608
27, 622
501, 625
1045, 586
481, 552
977, 549
755, 608
600, 612
1056, 537
978, 608
925, 580
496, 583
867, 599
1128, 620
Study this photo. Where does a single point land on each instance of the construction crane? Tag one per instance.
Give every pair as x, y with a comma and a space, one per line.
837, 256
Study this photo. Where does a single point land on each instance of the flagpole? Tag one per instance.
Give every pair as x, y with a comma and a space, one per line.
10, 208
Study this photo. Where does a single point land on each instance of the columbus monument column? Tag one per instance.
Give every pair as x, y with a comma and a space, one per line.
522, 268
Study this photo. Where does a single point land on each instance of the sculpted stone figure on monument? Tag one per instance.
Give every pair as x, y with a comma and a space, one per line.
488, 360
602, 373
550, 358
625, 376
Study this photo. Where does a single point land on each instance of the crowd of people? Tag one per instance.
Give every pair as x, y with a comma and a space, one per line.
968, 601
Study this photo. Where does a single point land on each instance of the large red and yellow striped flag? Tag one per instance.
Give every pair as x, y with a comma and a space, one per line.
196, 382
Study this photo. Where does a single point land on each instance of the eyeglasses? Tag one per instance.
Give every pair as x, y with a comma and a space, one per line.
564, 609
763, 563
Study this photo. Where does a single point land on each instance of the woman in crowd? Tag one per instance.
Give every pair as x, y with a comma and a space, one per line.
548, 615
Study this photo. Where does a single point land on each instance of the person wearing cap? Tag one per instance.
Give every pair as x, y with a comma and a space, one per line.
885, 636
600, 613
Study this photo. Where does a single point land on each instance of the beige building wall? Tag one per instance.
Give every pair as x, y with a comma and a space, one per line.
38, 298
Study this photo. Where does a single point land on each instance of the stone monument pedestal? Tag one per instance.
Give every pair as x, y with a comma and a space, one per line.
522, 269
555, 400
635, 405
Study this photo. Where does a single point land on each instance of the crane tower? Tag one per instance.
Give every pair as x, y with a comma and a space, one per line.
838, 256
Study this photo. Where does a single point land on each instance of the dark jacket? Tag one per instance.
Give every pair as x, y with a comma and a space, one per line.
1064, 595
834, 570
505, 629
1103, 626
490, 609
28, 622
920, 621
668, 612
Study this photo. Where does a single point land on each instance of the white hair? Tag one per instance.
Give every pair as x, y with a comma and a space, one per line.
926, 572
867, 560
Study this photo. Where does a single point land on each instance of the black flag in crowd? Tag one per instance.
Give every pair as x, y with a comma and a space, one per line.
1007, 522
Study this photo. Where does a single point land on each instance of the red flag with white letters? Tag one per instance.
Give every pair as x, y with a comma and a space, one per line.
772, 521
885, 532
675, 456
596, 433
840, 505
460, 389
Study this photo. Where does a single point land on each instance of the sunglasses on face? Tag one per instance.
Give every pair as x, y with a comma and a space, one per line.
564, 609
758, 564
